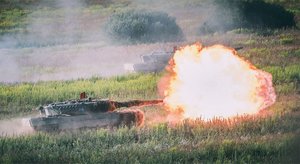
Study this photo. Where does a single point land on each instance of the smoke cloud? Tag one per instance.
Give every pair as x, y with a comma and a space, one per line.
15, 127
65, 40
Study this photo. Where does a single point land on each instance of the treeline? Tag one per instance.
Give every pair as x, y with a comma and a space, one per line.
250, 14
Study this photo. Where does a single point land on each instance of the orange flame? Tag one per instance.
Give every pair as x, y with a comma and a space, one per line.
214, 82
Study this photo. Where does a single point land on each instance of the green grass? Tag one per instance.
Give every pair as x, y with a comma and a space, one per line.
285, 74
250, 140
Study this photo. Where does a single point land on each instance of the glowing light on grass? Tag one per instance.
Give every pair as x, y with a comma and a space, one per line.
214, 81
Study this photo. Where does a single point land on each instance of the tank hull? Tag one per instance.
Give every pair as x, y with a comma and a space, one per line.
98, 120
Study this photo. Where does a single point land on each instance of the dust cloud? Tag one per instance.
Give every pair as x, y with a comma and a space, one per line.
66, 41
64, 44
70, 61
15, 127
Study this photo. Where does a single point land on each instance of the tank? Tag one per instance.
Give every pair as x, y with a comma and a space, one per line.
89, 113
153, 62
156, 61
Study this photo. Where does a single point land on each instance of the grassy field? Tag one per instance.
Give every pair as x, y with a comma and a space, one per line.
271, 137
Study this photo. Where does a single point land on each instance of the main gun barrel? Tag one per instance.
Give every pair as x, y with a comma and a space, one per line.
132, 103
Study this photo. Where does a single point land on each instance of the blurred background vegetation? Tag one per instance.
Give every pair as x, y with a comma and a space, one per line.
143, 27
23, 23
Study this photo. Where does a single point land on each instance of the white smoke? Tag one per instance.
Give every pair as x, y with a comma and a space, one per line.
9, 67
66, 41
15, 127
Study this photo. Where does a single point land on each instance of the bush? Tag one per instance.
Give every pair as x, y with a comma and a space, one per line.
143, 26
252, 14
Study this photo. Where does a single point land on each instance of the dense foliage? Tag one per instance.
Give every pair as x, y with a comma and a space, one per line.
253, 14
143, 26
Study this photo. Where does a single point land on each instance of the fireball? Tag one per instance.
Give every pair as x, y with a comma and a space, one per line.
214, 82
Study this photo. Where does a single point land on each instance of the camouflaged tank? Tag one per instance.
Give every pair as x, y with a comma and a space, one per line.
156, 61
89, 113
153, 62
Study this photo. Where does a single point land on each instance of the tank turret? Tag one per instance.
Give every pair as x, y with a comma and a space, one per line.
85, 106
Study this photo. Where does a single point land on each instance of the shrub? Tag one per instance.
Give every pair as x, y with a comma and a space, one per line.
252, 14
143, 26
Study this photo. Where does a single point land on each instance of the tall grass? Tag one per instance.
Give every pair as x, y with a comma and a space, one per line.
190, 142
